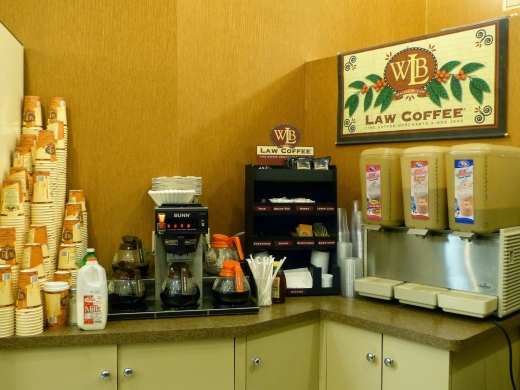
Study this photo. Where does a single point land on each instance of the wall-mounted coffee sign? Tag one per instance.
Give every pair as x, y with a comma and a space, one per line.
449, 85
285, 138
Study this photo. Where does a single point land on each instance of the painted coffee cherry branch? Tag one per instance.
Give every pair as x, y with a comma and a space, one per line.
477, 86
379, 85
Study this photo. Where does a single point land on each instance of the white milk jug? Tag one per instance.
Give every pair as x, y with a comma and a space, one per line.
92, 296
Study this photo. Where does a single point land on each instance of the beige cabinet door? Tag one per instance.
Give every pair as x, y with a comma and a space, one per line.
353, 358
414, 366
193, 364
285, 358
59, 368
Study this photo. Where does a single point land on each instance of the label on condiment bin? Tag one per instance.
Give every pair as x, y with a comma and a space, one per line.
419, 189
373, 182
464, 176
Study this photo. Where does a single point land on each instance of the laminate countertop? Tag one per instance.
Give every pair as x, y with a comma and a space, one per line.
431, 327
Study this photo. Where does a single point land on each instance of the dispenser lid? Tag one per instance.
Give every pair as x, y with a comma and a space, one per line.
425, 150
484, 149
382, 152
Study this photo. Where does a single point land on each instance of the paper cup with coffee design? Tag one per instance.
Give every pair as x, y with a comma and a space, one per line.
28, 295
33, 258
67, 258
6, 286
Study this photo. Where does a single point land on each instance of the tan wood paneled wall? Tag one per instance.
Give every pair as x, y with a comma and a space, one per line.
190, 87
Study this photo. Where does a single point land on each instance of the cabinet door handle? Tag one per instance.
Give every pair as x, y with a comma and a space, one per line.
257, 361
389, 362
105, 374
371, 357
127, 372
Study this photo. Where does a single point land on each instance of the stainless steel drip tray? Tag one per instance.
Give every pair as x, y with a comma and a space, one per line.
206, 307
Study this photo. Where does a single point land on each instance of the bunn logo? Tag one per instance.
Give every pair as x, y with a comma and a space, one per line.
412, 68
285, 136
181, 215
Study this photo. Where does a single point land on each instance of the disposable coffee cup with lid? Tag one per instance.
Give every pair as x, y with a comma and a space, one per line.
56, 303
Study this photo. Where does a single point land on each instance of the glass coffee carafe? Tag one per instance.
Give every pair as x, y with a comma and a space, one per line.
126, 290
231, 286
180, 289
222, 248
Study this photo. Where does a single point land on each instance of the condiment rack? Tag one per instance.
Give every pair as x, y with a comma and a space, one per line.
270, 226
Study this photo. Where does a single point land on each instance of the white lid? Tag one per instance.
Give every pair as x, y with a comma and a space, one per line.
382, 152
484, 148
91, 250
425, 150
55, 286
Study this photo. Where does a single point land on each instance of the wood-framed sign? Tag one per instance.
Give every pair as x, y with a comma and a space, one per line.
449, 85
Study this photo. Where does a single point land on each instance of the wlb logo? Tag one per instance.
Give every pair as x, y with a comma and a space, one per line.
409, 71
285, 136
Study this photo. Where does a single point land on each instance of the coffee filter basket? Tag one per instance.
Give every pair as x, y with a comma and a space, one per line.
172, 196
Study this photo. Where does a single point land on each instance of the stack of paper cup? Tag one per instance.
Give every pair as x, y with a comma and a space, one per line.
42, 209
6, 302
23, 158
32, 115
68, 261
72, 235
11, 212
350, 269
8, 252
61, 161
33, 260
78, 196
22, 175
38, 234
29, 309
57, 113
74, 212
9, 137
45, 161
63, 276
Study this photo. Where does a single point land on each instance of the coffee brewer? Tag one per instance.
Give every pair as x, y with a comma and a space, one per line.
178, 248
180, 288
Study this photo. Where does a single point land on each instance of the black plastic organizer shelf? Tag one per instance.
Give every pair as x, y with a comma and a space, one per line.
294, 243
272, 208
276, 173
268, 225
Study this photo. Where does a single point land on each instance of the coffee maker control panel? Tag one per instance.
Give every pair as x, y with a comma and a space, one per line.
181, 220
